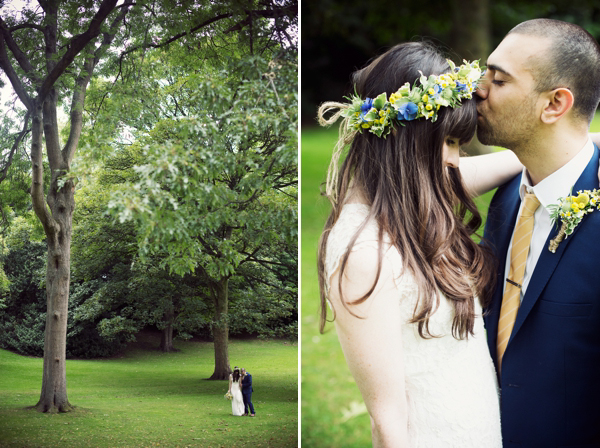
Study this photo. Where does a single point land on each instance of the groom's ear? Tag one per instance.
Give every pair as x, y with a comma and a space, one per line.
556, 104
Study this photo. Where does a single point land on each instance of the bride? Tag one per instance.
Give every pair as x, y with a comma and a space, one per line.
396, 261
235, 389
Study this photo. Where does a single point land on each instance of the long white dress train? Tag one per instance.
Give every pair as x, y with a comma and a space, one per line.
451, 385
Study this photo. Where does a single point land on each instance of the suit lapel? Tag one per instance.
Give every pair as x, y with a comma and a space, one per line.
548, 261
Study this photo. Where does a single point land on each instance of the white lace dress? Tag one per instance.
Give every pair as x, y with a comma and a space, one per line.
237, 404
451, 386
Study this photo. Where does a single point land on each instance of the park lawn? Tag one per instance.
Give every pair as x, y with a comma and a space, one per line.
147, 398
332, 410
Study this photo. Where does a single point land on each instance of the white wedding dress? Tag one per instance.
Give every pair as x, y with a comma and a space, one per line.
237, 403
451, 386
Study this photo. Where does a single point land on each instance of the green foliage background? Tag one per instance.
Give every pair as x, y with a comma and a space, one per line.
332, 409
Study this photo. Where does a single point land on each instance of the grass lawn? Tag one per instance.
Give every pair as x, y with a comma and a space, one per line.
333, 414
147, 398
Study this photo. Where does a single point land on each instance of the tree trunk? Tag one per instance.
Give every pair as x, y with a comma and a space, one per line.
166, 341
471, 31
471, 38
54, 384
55, 213
220, 329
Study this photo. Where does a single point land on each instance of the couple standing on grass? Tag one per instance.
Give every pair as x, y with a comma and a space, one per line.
240, 391
411, 291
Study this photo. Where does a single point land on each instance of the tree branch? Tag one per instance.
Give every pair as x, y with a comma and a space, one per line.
81, 83
15, 145
209, 249
265, 13
26, 25
78, 43
50, 38
251, 257
37, 185
177, 36
267, 283
18, 54
12, 75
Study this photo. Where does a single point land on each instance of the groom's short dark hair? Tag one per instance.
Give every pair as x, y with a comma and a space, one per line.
573, 61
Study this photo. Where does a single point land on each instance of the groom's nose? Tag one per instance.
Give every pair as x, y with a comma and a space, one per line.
482, 89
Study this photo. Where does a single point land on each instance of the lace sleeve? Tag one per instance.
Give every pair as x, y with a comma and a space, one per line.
350, 220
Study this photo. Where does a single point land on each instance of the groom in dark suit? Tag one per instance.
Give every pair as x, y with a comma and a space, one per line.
247, 392
538, 97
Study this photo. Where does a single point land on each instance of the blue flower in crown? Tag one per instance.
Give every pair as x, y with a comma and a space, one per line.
407, 111
437, 89
461, 87
366, 106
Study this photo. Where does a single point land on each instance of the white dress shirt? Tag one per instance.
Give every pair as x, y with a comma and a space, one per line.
548, 191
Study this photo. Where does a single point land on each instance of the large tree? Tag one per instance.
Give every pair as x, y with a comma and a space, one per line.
50, 51
218, 189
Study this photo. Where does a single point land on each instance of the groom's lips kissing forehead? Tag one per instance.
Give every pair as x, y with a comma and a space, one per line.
479, 113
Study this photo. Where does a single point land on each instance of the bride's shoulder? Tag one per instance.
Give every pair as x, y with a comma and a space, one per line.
354, 220
352, 216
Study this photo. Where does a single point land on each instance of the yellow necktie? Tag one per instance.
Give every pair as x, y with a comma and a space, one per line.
518, 258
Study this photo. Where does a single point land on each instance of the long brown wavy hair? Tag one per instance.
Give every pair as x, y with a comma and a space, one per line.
422, 205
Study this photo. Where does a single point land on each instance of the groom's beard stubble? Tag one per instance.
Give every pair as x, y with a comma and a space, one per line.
512, 129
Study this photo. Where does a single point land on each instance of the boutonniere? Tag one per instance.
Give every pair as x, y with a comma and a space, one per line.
570, 211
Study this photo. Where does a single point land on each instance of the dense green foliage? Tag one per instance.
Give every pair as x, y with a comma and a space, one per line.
23, 306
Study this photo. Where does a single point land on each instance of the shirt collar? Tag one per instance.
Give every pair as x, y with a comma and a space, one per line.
558, 184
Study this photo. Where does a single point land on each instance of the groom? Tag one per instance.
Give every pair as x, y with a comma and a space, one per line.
539, 94
247, 392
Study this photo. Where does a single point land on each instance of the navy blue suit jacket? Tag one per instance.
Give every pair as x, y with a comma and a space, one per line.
247, 384
550, 375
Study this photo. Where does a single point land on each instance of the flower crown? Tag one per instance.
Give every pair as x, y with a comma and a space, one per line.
379, 115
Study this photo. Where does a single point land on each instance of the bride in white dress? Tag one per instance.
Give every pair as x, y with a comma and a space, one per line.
235, 389
397, 263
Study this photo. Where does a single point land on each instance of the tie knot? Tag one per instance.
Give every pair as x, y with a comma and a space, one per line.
530, 204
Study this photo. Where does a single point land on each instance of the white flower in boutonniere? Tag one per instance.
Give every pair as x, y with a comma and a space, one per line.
570, 211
